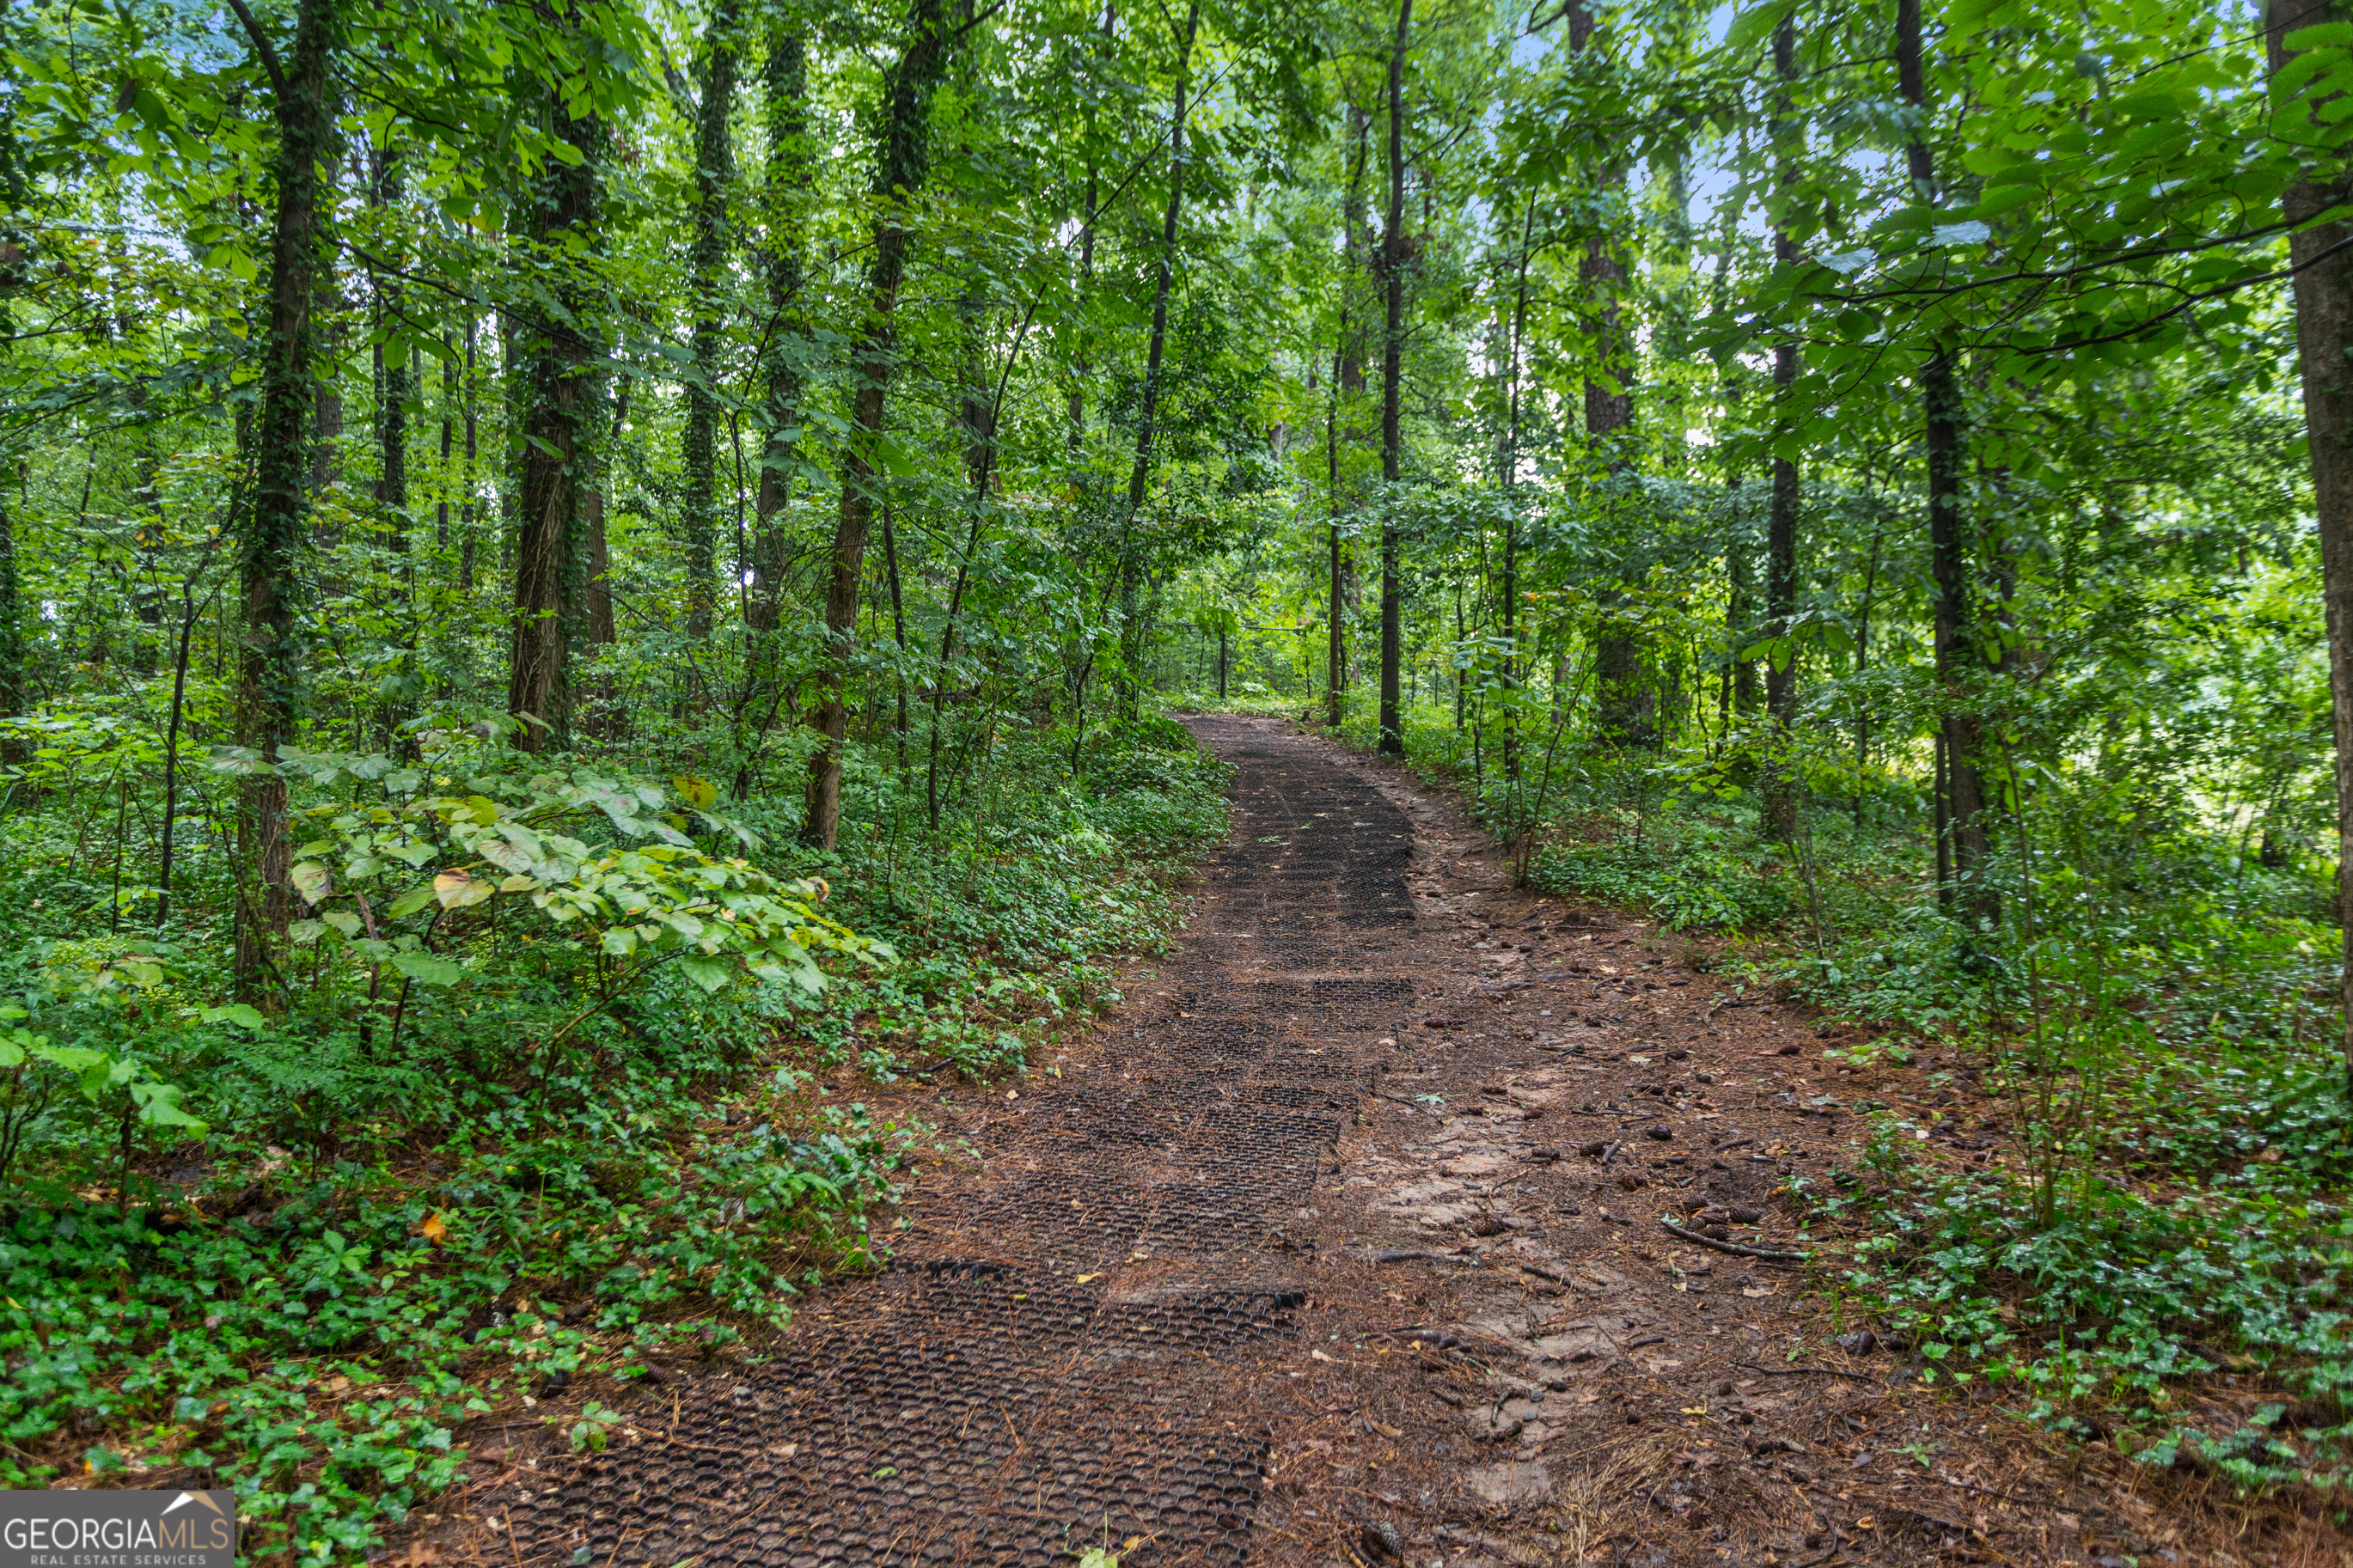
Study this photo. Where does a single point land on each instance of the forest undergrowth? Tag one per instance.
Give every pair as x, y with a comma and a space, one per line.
2144, 1238
479, 1149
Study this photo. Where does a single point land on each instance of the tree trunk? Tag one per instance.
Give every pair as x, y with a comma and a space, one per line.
448, 440
1347, 376
786, 83
1956, 646
1511, 466
1131, 555
557, 361
1393, 265
15, 688
269, 678
2324, 338
714, 161
1780, 803
904, 161
327, 397
466, 541
1862, 661
1626, 696
597, 590
1335, 657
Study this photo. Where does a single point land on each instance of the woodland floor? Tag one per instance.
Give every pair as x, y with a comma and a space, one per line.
1340, 1238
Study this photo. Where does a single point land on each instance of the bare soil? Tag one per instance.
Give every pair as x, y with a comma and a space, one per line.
1340, 1242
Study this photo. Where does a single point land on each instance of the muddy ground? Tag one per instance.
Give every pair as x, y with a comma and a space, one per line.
1340, 1241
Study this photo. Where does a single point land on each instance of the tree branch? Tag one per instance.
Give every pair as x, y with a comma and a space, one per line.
261, 46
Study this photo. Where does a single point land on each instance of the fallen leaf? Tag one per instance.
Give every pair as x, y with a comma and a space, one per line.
1317, 1355
1085, 1278
434, 1229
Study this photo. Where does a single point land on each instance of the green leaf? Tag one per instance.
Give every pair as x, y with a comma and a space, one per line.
428, 969
409, 902
311, 879
2323, 35
159, 1105
711, 973
1752, 26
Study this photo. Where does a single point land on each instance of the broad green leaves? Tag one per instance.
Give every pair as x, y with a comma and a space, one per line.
558, 849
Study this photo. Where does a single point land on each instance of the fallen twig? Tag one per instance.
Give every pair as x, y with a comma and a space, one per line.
1807, 1372
1764, 1253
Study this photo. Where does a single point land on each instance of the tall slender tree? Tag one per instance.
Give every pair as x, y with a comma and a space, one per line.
1626, 684
906, 157
1780, 803
784, 83
1962, 799
555, 358
2322, 257
269, 679
1394, 257
1131, 547
715, 174
1348, 379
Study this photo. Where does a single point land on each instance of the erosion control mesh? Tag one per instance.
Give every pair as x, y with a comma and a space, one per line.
1064, 1355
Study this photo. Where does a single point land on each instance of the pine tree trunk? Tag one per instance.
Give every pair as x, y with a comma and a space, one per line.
904, 161
269, 556
2324, 337
1393, 265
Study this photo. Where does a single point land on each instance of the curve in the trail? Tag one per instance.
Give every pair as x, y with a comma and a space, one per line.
1065, 1355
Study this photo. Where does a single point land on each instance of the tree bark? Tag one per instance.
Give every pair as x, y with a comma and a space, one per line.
1393, 265
13, 685
785, 80
269, 556
1781, 802
1626, 687
449, 438
597, 589
906, 157
714, 169
1347, 376
466, 541
1957, 655
1511, 466
1131, 555
2324, 338
1081, 366
558, 361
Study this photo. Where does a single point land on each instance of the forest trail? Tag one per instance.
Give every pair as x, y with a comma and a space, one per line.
1340, 1237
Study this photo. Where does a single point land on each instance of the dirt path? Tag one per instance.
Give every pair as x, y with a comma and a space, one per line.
1340, 1242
